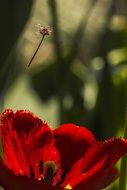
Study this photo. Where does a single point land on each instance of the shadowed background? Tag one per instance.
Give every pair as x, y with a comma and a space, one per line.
79, 74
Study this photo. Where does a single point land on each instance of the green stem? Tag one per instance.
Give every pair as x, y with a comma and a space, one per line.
123, 167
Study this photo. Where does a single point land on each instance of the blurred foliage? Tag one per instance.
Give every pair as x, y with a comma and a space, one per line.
13, 17
86, 68
63, 77
81, 67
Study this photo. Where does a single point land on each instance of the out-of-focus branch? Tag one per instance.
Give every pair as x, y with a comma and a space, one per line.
55, 23
123, 167
96, 28
12, 21
79, 34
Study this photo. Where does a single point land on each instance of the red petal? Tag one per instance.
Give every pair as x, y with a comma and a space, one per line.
110, 150
96, 170
9, 181
14, 157
98, 181
26, 141
72, 142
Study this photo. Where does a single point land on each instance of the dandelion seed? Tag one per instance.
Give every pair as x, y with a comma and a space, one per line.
44, 31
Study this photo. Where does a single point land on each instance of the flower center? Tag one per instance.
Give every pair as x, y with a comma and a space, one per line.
51, 169
68, 187
63, 175
41, 169
31, 171
48, 171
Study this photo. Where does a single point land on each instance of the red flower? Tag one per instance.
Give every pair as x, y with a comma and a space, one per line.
69, 157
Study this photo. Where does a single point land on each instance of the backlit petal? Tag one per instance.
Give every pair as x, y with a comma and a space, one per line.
10, 181
27, 141
96, 170
72, 142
